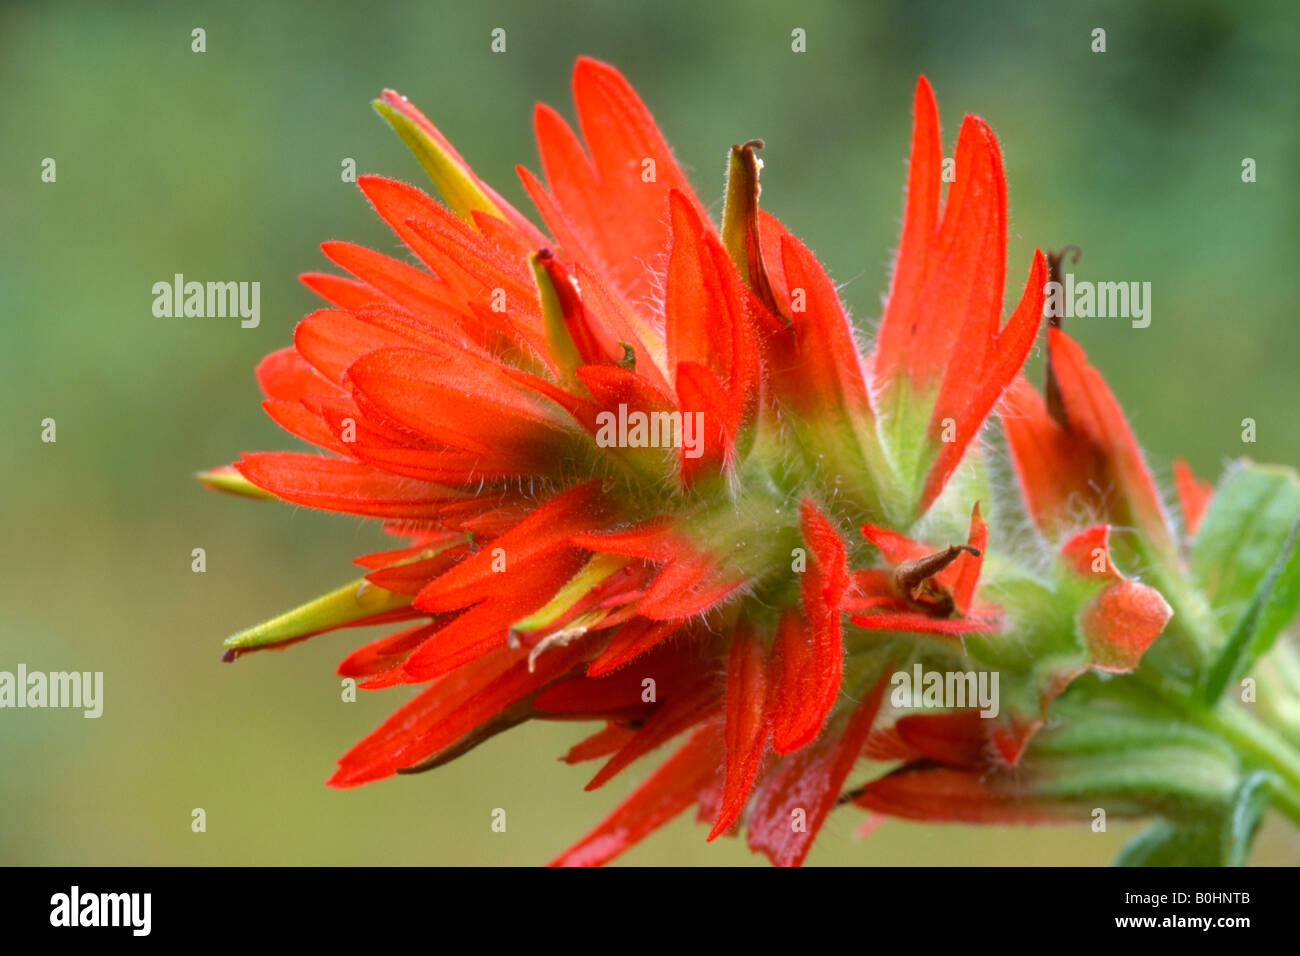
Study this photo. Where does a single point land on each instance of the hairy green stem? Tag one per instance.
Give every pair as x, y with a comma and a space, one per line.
1259, 745
1262, 745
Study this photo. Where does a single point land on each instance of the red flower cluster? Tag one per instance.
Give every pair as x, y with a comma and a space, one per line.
754, 592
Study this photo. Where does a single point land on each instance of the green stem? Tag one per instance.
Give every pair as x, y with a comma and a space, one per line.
1259, 745
1262, 745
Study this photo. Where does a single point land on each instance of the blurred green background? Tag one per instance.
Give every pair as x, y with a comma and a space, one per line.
226, 165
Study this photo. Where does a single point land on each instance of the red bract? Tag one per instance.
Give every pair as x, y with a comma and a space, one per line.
626, 455
941, 339
1082, 458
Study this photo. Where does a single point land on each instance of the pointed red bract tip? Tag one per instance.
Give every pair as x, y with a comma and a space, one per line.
670, 790
808, 652
1194, 495
746, 725
1091, 460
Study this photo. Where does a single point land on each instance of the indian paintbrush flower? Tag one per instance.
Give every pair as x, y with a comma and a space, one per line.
644, 475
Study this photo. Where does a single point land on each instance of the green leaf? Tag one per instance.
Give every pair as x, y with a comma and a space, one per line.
1247, 813
1222, 842
1244, 531
1247, 562
1164, 844
1270, 609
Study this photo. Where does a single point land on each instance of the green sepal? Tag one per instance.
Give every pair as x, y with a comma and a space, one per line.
599, 567
462, 194
559, 340
352, 602
740, 230
230, 481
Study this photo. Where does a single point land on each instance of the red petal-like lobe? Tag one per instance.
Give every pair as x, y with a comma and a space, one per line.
537, 537
885, 745
454, 397
689, 585
285, 375
1056, 470
957, 738
970, 391
379, 754
672, 788
420, 541
595, 344
411, 577
963, 265
1088, 553
600, 744
965, 571
966, 275
553, 134
332, 340
485, 693
703, 282
918, 623
464, 259
626, 180
829, 373
618, 696
612, 386
340, 291
485, 626
808, 653
932, 792
746, 725
375, 442
1099, 461
409, 287
803, 788
626, 325
893, 546
920, 223
479, 268
397, 204
830, 560
1194, 495
337, 484
680, 711
800, 699
1093, 411
771, 237
298, 420
656, 540
940, 332
385, 653
673, 667
630, 641
713, 418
